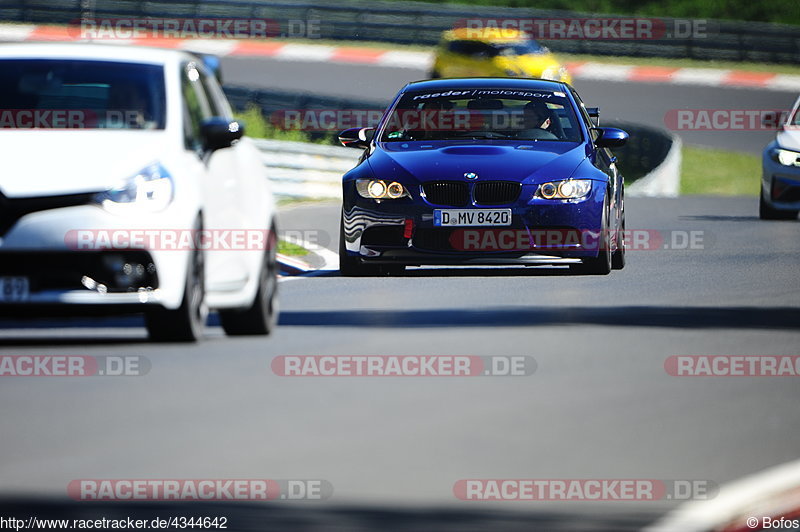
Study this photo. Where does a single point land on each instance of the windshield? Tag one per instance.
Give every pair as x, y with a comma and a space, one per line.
519, 48
501, 114
81, 94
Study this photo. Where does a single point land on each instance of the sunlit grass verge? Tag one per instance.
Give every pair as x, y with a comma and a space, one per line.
291, 249
711, 171
258, 127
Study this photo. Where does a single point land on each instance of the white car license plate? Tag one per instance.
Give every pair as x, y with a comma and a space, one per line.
14, 289
471, 217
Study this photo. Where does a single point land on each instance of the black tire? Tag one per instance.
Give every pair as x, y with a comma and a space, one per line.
602, 264
618, 258
187, 322
261, 317
766, 212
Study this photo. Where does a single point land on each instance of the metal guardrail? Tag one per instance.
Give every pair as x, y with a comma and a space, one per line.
306, 170
418, 23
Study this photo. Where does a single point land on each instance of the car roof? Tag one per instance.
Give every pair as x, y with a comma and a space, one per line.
488, 35
485, 83
92, 51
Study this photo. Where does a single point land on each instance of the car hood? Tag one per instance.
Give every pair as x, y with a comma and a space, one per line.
789, 139
534, 64
528, 163
55, 162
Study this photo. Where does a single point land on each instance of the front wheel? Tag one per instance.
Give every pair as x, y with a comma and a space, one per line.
187, 322
766, 212
261, 317
618, 258
602, 264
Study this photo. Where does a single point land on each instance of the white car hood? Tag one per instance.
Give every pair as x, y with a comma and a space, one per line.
789, 139
54, 162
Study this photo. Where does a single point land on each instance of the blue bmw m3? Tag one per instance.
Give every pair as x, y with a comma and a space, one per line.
483, 171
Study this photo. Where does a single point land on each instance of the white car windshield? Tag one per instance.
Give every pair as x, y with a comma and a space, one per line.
81, 94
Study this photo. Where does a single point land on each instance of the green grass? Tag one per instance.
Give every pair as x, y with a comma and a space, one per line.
709, 171
291, 249
258, 127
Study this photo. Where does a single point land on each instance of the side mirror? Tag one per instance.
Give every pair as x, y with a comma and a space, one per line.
218, 133
610, 137
356, 137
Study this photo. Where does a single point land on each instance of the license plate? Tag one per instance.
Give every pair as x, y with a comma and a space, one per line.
14, 289
471, 217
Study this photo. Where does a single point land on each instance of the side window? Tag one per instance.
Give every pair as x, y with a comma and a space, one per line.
584, 115
195, 106
457, 47
472, 48
217, 102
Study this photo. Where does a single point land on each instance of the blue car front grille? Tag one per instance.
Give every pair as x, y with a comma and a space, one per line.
450, 193
497, 192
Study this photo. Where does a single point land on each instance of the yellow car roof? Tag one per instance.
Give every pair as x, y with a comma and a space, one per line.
488, 35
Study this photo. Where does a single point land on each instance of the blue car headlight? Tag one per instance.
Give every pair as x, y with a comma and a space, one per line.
151, 188
380, 189
785, 157
566, 189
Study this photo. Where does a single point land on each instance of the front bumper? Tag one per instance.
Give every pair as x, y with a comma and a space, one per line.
60, 272
780, 184
542, 231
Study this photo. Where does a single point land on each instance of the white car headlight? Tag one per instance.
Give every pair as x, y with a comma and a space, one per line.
151, 188
567, 189
786, 157
379, 189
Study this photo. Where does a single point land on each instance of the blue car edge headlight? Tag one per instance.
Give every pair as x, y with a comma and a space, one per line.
151, 188
380, 189
566, 189
785, 157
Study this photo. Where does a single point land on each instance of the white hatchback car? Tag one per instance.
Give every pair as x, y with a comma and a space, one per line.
127, 186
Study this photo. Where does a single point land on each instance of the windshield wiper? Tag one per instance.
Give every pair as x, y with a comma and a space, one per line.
484, 135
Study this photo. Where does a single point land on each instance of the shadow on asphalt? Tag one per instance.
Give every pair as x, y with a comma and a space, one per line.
29, 331
465, 271
302, 516
718, 218
778, 318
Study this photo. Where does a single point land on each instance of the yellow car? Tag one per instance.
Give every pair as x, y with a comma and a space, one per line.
466, 52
